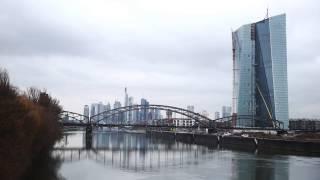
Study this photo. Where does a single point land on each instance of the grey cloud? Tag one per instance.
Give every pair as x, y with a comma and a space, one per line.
170, 56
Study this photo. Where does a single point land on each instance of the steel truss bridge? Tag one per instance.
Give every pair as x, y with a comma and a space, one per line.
114, 118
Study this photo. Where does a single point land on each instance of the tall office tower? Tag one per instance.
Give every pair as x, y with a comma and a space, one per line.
117, 104
107, 107
107, 117
260, 87
157, 114
86, 111
144, 110
117, 117
100, 107
136, 115
93, 109
130, 113
98, 110
126, 97
216, 115
226, 111
126, 103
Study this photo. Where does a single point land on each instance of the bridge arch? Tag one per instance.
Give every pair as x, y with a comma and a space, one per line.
202, 120
67, 116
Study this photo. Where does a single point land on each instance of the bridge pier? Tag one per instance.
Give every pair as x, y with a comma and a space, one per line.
88, 136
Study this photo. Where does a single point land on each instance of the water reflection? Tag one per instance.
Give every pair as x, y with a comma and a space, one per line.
260, 167
132, 155
133, 152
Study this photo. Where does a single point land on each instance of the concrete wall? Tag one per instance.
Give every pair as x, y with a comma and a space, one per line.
288, 145
239, 143
206, 139
242, 143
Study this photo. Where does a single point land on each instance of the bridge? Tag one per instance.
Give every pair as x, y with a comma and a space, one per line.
115, 118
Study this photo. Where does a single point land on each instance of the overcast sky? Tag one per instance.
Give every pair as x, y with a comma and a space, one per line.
169, 51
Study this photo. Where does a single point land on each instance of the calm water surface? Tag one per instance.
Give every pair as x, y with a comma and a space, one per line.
118, 156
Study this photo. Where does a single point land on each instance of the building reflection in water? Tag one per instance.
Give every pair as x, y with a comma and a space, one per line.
136, 152
247, 167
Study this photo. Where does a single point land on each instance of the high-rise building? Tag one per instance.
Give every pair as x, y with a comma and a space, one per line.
260, 87
86, 111
107, 117
126, 103
216, 115
130, 113
93, 109
144, 110
107, 107
117, 104
97, 108
157, 114
117, 118
226, 111
100, 109
135, 114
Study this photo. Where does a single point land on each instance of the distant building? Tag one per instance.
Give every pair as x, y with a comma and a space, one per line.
304, 124
260, 86
226, 111
130, 113
97, 108
107, 117
205, 113
184, 122
86, 111
157, 114
216, 115
135, 115
117, 104
107, 107
144, 110
93, 109
100, 110
190, 108
117, 118
126, 103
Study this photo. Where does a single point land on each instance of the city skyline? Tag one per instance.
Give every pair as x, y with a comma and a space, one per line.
134, 115
170, 52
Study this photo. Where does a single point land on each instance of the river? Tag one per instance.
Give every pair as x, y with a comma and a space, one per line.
118, 155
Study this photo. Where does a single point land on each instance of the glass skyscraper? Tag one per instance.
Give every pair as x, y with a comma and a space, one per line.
260, 87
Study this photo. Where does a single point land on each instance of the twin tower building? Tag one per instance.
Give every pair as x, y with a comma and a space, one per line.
260, 85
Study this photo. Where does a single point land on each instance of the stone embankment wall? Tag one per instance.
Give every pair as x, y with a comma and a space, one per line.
242, 143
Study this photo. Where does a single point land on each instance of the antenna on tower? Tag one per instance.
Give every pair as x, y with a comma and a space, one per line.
267, 15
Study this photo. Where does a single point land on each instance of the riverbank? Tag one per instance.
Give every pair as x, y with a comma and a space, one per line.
252, 144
